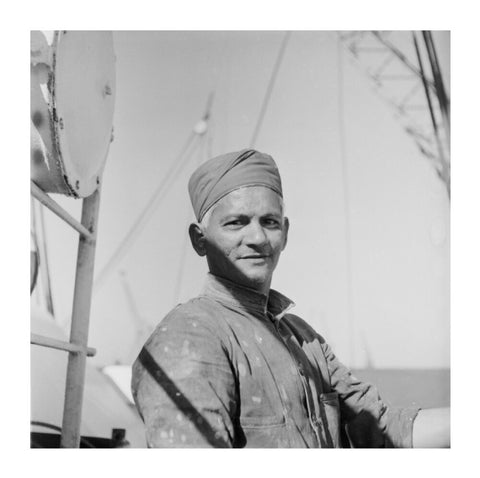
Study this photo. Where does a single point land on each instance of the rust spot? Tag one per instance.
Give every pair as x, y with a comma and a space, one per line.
70, 188
37, 156
37, 119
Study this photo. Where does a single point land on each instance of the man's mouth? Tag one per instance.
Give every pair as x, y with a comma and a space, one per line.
255, 256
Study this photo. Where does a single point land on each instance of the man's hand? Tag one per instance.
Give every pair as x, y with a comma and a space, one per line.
431, 428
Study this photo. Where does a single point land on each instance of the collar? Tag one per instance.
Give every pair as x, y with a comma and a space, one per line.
230, 293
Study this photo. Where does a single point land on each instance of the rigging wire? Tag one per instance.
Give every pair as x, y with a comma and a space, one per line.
271, 84
346, 201
183, 250
176, 167
204, 154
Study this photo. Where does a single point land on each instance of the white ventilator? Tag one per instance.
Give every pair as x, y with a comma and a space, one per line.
72, 106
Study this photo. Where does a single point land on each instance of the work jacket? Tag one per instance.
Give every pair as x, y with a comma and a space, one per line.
233, 368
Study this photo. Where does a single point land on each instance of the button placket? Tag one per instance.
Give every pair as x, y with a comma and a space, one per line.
303, 379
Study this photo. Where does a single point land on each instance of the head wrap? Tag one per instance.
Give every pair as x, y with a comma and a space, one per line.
223, 174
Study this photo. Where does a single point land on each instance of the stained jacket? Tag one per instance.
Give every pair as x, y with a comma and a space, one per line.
232, 368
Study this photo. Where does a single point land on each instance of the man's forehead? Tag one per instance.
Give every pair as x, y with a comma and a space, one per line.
250, 200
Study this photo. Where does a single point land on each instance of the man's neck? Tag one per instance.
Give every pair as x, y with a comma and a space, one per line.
231, 292
261, 288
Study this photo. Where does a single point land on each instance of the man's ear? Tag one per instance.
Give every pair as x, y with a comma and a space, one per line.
197, 238
286, 227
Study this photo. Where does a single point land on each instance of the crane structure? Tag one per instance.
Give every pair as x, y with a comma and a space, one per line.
396, 62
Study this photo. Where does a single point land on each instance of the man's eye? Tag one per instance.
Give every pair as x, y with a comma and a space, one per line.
271, 222
236, 222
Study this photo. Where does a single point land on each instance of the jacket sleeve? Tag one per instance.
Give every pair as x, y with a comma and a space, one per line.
184, 387
369, 421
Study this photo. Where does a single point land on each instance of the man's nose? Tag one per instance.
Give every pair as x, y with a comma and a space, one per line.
255, 234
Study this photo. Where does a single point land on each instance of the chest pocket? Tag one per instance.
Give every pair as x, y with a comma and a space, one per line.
265, 432
329, 405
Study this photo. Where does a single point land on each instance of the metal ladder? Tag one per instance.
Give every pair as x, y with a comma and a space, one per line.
77, 347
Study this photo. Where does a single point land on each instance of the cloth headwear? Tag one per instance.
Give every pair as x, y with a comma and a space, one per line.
223, 174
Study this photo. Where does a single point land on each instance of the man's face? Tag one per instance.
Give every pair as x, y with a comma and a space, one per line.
245, 235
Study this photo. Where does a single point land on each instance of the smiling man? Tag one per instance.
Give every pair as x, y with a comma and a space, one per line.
243, 236
233, 367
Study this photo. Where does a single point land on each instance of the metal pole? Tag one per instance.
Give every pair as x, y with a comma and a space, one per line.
72, 412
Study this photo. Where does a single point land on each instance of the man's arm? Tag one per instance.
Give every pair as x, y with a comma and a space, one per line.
431, 428
183, 386
369, 421
370, 418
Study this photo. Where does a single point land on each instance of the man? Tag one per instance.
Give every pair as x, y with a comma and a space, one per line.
233, 367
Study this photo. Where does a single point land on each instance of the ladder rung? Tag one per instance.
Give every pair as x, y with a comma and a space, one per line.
37, 339
47, 201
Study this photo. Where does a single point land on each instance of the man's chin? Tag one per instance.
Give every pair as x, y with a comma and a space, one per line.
255, 280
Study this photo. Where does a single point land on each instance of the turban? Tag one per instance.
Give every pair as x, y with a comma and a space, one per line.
221, 175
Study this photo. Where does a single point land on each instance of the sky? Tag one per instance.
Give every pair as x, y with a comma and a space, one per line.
367, 261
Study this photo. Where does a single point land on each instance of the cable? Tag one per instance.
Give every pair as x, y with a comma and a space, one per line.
183, 250
204, 154
270, 86
177, 166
